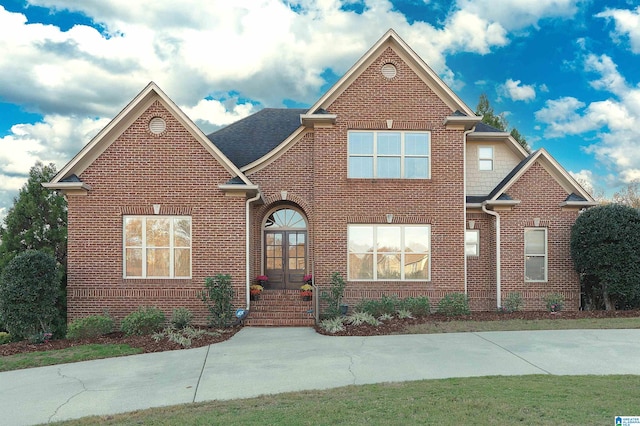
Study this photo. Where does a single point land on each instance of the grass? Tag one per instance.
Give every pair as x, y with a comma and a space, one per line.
516, 325
539, 400
62, 356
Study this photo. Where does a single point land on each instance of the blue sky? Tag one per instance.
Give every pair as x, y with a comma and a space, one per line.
564, 72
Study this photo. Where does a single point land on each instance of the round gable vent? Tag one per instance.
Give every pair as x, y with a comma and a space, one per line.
157, 125
389, 71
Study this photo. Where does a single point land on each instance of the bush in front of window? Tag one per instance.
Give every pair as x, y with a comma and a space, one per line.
91, 326
181, 318
386, 305
29, 292
554, 302
419, 306
217, 297
145, 320
333, 297
454, 304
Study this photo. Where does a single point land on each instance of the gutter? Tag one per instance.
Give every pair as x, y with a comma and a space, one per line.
498, 282
247, 254
464, 200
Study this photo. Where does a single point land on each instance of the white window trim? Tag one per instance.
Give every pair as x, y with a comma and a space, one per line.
545, 255
476, 244
402, 155
402, 255
171, 247
480, 159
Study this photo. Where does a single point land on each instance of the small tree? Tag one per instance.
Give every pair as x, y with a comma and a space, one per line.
498, 121
218, 297
605, 247
333, 297
29, 290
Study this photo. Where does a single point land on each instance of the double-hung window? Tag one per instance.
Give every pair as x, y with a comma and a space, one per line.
485, 158
472, 242
389, 252
391, 155
535, 254
157, 246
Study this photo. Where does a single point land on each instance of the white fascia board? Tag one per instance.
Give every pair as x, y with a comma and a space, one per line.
67, 186
579, 204
275, 153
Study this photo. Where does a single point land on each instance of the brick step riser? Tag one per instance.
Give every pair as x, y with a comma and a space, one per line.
279, 323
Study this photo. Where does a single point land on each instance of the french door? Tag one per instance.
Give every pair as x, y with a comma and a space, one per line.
285, 249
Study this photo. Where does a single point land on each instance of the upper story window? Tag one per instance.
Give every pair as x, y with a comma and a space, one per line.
157, 246
389, 252
389, 155
485, 158
535, 254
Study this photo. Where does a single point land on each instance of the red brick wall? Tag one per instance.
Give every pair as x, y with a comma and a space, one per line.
540, 196
314, 172
136, 171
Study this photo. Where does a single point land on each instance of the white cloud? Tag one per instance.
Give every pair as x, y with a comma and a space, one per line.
585, 178
627, 25
211, 114
614, 120
517, 92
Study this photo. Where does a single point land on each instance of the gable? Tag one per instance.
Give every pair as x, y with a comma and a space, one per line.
133, 111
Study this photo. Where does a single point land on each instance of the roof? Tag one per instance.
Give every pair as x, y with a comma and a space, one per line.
485, 128
249, 139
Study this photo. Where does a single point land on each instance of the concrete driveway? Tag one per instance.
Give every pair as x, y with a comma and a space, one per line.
260, 361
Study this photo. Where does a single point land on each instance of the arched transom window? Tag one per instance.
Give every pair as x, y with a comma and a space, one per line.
285, 219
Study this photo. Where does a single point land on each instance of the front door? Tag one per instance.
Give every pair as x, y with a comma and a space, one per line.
285, 249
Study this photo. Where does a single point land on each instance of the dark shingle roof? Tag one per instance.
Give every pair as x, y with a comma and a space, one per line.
485, 128
252, 137
575, 197
71, 178
511, 174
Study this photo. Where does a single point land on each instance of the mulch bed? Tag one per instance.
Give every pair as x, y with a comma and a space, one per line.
147, 344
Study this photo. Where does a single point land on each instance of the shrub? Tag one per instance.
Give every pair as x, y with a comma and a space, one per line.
40, 337
404, 314
554, 302
385, 317
378, 307
418, 306
181, 318
217, 297
145, 320
359, 318
513, 302
454, 304
332, 325
4, 337
29, 290
91, 326
183, 336
333, 297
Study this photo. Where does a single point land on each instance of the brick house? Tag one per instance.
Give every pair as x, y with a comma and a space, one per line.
388, 179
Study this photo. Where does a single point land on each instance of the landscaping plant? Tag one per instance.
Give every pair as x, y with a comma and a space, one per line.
512, 303
143, 321
29, 291
181, 318
217, 297
554, 302
333, 297
454, 304
91, 326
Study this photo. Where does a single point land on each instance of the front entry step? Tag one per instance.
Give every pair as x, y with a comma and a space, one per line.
280, 308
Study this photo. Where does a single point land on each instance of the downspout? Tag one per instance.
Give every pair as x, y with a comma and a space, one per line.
498, 284
247, 254
464, 201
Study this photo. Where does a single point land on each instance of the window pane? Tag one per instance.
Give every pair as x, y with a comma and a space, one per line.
534, 268
416, 144
416, 239
182, 260
182, 233
471, 249
389, 239
360, 266
486, 165
416, 168
158, 232
485, 152
389, 143
388, 167
133, 262
389, 266
133, 232
416, 266
360, 239
361, 143
157, 262
360, 167
471, 237
534, 241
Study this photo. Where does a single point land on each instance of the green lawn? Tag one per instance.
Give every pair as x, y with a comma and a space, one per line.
526, 400
61, 356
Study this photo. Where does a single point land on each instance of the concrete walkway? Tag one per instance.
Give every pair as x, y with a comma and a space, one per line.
260, 361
